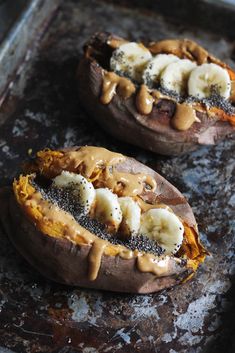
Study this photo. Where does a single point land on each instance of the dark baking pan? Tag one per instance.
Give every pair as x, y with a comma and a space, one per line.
40, 108
9, 13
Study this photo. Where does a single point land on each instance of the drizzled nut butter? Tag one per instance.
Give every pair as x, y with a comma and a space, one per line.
145, 98
103, 168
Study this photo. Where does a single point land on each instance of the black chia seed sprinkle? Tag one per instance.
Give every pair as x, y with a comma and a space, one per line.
64, 199
173, 94
119, 56
143, 243
215, 100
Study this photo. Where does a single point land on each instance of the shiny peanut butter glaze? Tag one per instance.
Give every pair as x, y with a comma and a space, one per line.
185, 114
184, 48
55, 222
144, 100
123, 175
184, 117
99, 166
113, 83
116, 42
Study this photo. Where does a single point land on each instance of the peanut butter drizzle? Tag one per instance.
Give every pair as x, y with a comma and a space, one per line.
95, 257
116, 42
158, 266
144, 100
74, 232
183, 48
158, 95
148, 206
113, 83
126, 184
52, 213
172, 46
127, 254
184, 117
90, 160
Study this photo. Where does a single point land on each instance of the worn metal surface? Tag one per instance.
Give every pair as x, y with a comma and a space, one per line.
9, 12
37, 315
15, 47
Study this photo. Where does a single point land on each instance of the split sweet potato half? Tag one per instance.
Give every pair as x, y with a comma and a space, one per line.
114, 100
44, 223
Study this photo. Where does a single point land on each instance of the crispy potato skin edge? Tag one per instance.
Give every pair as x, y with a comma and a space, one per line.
64, 262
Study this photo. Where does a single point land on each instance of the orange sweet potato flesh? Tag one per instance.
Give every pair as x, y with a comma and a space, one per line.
64, 260
153, 132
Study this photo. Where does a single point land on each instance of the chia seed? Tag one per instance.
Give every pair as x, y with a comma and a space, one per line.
143, 243
173, 94
215, 100
64, 199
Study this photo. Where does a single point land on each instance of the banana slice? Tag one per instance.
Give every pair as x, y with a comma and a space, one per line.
207, 78
131, 214
175, 76
155, 67
164, 227
82, 188
130, 59
107, 209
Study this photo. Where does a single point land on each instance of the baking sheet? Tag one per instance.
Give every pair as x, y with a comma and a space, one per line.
9, 11
41, 110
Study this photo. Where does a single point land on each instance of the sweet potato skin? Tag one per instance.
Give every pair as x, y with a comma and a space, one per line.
121, 119
64, 262
165, 192
61, 260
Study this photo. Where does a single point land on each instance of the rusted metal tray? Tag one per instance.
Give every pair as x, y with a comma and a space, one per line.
40, 108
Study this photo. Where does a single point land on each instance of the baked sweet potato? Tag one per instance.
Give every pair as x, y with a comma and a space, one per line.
43, 224
155, 127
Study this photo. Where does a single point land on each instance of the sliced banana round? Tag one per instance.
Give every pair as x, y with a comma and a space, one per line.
175, 76
164, 227
130, 59
207, 79
107, 209
155, 67
131, 214
81, 188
